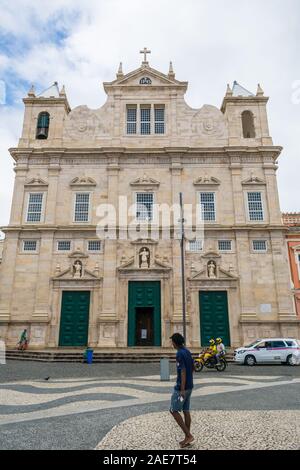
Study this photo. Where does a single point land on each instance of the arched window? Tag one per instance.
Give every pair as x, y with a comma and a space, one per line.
42, 125
248, 125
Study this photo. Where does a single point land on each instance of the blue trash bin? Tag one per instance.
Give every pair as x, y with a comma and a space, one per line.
89, 356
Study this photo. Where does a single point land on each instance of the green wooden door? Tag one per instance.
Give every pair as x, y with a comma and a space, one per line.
144, 294
74, 321
214, 322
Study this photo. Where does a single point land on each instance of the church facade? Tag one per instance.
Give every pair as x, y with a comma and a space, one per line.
72, 285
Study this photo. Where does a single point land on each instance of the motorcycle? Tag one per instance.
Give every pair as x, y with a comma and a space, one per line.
209, 362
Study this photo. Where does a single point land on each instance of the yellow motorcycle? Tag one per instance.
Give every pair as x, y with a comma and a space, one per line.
209, 362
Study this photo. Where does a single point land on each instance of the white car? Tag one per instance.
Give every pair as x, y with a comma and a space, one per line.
282, 350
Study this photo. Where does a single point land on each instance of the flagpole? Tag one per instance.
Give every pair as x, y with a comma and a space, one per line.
182, 239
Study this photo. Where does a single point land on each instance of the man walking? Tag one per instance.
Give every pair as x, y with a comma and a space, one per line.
180, 400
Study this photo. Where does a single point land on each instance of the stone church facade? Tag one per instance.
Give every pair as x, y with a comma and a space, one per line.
71, 288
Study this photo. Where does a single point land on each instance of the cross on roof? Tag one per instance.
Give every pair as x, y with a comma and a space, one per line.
145, 51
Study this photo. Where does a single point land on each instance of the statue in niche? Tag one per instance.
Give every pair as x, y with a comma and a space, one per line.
212, 270
77, 270
144, 258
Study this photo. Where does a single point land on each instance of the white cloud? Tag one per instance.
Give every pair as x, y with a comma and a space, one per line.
210, 42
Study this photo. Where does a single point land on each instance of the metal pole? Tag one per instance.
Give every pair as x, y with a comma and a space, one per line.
182, 266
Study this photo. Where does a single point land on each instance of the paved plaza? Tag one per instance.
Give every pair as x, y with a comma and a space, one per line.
125, 406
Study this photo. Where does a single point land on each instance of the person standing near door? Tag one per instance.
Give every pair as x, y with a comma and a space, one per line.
181, 397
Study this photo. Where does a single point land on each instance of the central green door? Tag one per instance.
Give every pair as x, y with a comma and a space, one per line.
74, 321
144, 313
214, 322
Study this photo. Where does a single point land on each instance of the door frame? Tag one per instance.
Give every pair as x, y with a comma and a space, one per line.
89, 316
131, 314
228, 313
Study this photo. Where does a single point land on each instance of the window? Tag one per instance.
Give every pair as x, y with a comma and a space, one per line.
207, 201
42, 125
82, 203
29, 245
255, 206
159, 119
225, 245
131, 119
277, 344
259, 245
145, 120
64, 245
139, 119
291, 344
94, 245
144, 206
196, 245
248, 125
35, 206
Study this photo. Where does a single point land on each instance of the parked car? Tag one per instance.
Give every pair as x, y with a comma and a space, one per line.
269, 350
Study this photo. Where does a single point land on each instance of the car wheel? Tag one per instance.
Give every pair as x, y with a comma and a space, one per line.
290, 360
250, 360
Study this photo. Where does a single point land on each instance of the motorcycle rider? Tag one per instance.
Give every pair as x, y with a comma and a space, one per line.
212, 350
220, 349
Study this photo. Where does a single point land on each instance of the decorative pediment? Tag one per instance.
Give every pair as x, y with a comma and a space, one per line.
206, 180
221, 274
253, 180
37, 181
83, 181
68, 274
144, 76
145, 180
210, 255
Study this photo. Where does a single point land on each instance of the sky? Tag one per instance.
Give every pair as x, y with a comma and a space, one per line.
210, 42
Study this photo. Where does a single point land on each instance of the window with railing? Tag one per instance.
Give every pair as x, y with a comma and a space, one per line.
82, 203
225, 245
159, 119
131, 119
29, 245
255, 206
64, 245
195, 245
145, 112
144, 206
94, 245
208, 209
35, 207
259, 245
145, 119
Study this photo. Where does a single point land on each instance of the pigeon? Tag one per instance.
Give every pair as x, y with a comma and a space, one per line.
46, 378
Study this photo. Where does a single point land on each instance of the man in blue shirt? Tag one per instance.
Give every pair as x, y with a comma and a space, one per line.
180, 400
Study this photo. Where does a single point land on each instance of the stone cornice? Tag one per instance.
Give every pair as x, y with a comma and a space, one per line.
172, 151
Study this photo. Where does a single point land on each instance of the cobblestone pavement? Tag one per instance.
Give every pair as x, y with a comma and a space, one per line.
213, 430
77, 412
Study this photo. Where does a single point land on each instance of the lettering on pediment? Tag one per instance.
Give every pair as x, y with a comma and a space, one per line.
206, 180
145, 81
83, 181
37, 181
145, 180
253, 180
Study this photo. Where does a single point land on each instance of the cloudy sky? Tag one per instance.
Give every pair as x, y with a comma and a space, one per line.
211, 42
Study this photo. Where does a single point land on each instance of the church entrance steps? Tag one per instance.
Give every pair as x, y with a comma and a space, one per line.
99, 356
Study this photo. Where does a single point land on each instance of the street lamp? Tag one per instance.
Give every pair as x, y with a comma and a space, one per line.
182, 240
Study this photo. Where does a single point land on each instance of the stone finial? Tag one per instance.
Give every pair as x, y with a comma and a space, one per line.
62, 92
31, 92
120, 73
260, 91
228, 90
171, 73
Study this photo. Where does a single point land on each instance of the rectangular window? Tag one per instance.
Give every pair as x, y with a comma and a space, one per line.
131, 119
64, 245
196, 245
145, 120
207, 201
255, 206
225, 245
35, 206
159, 119
94, 245
82, 204
29, 245
259, 245
144, 206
